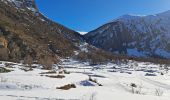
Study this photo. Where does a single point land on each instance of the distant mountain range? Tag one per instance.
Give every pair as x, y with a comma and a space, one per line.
140, 36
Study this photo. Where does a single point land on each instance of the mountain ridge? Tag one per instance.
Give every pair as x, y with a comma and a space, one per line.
128, 34
28, 35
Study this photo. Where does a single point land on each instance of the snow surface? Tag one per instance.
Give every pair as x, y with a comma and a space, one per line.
116, 81
82, 33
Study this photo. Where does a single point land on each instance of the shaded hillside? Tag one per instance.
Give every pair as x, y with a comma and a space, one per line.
26, 33
139, 36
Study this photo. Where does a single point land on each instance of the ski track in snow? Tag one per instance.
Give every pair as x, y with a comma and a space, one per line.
156, 83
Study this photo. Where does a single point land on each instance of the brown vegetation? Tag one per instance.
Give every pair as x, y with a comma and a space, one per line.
98, 56
67, 87
31, 39
4, 54
56, 76
94, 81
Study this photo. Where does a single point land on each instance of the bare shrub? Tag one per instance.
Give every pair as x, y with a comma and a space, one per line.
95, 81
133, 86
46, 61
139, 90
158, 92
66, 72
92, 97
9, 65
28, 60
4, 54
26, 69
3, 80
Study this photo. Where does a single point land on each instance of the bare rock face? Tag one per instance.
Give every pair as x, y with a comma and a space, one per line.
141, 36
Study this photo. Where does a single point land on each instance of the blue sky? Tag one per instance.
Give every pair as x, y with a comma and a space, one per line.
86, 15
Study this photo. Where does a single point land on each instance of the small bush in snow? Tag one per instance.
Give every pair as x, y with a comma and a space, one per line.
92, 97
158, 92
136, 89
150, 74
26, 69
49, 72
56, 76
4, 70
67, 87
3, 80
9, 65
28, 61
95, 81
133, 85
66, 72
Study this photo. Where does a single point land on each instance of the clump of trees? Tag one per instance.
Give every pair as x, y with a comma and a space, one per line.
94, 57
46, 61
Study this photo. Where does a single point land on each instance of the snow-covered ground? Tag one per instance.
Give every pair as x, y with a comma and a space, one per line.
115, 82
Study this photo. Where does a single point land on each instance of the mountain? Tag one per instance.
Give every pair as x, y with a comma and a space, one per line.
25, 34
139, 36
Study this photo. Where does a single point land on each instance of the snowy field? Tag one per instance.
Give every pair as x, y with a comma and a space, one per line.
131, 81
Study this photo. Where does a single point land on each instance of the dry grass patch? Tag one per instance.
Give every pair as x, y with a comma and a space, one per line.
67, 87
56, 76
49, 72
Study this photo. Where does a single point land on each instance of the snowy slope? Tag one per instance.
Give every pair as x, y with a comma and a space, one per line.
116, 82
82, 33
146, 34
23, 4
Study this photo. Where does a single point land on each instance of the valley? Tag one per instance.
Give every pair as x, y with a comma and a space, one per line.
92, 82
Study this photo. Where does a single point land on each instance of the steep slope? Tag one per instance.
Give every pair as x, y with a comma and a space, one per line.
141, 36
25, 34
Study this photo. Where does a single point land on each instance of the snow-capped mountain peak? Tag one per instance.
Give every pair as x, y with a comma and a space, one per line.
130, 16
23, 4
134, 35
82, 33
